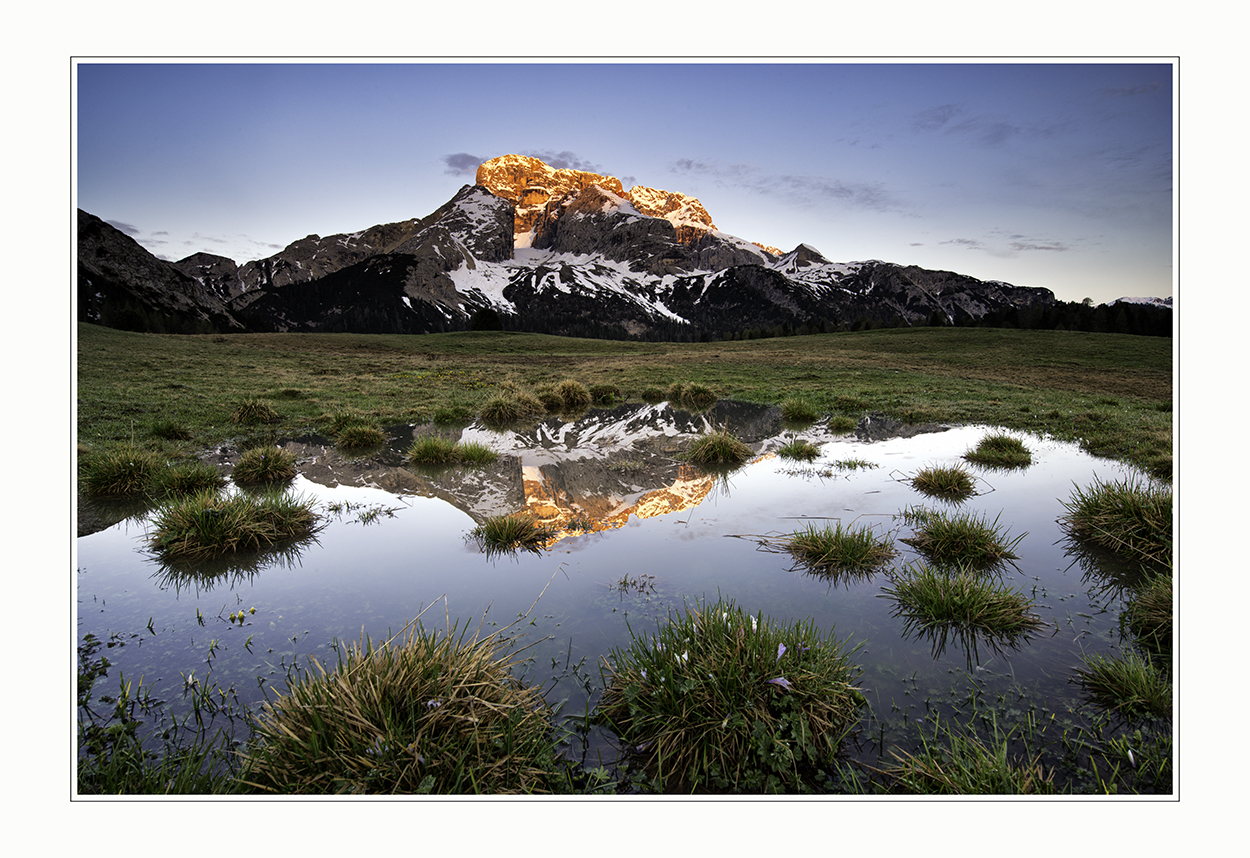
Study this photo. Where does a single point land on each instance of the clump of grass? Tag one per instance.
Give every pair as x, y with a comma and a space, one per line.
718, 448
170, 430
360, 436
605, 394
960, 599
691, 395
511, 407
962, 539
964, 765
1130, 684
947, 482
422, 713
337, 421
839, 548
433, 450
1149, 614
854, 464
207, 524
800, 449
1000, 451
840, 423
572, 395
122, 470
265, 465
798, 410
652, 395
1127, 517
251, 412
501, 534
452, 414
191, 478
720, 700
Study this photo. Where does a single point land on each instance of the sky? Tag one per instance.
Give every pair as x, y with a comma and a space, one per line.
1056, 174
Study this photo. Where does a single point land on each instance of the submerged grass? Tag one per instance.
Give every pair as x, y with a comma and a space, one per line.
1129, 517
208, 524
962, 599
719, 700
421, 713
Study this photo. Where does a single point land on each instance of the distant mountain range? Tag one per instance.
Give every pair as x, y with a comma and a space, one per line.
527, 247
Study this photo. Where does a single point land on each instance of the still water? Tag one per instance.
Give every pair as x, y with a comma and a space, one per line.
642, 534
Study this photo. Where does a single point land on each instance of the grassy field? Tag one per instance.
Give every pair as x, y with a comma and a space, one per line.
1111, 392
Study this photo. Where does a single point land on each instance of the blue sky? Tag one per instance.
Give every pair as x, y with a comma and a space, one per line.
1055, 174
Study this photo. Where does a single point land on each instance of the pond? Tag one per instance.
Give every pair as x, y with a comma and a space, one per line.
641, 534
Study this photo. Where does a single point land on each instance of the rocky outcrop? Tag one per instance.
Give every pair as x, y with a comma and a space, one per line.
689, 218
530, 184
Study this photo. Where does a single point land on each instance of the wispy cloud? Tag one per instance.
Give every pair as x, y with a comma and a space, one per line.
806, 190
1010, 245
129, 229
565, 161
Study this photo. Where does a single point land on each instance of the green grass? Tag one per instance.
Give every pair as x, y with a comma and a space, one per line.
961, 599
511, 408
251, 412
963, 539
1148, 614
190, 478
208, 524
1041, 382
572, 396
719, 700
1129, 684
170, 430
836, 548
691, 395
423, 713
946, 482
718, 448
854, 465
606, 395
800, 449
503, 534
1000, 451
1130, 517
796, 409
264, 465
435, 450
360, 436
120, 470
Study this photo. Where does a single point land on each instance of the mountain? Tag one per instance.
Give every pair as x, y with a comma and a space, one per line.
1164, 303
544, 249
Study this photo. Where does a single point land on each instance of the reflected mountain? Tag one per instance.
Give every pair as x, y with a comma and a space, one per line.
581, 475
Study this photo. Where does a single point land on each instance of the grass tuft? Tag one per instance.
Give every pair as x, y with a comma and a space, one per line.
961, 539
962, 600
421, 713
691, 395
1000, 451
800, 449
720, 700
511, 407
961, 764
718, 448
191, 478
1149, 614
170, 430
1127, 517
798, 410
265, 465
207, 524
1130, 684
360, 436
946, 482
606, 395
572, 396
251, 412
840, 549
125, 469
502, 534
434, 450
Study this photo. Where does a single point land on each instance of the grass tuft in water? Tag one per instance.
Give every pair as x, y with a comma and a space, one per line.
265, 465
433, 450
207, 524
840, 548
421, 713
1149, 614
800, 449
121, 470
1000, 451
959, 538
251, 412
718, 700
606, 395
946, 482
718, 448
511, 407
691, 395
1130, 684
963, 600
360, 436
1127, 517
572, 396
513, 532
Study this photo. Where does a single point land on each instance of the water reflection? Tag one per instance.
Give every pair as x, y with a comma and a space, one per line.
971, 641
229, 571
